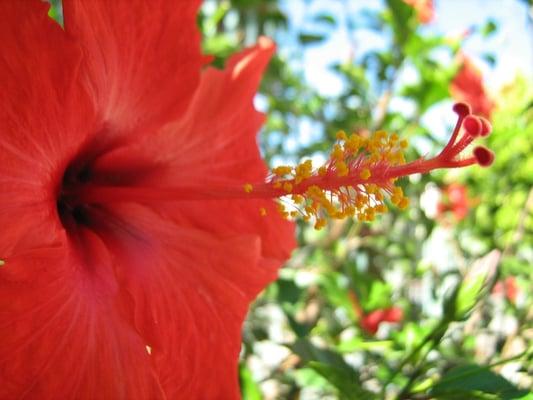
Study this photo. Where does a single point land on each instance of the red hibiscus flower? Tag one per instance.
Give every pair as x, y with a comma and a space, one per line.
455, 200
127, 266
508, 287
468, 86
424, 9
370, 322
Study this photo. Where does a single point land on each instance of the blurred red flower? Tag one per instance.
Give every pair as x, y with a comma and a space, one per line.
455, 200
370, 322
467, 86
127, 271
508, 287
424, 8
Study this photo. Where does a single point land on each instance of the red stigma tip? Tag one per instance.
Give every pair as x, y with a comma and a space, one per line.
461, 109
484, 157
473, 125
486, 127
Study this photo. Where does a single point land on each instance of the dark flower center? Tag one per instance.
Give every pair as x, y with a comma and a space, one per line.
85, 175
72, 209
73, 212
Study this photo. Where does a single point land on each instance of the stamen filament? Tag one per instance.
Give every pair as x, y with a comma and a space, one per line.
213, 191
355, 181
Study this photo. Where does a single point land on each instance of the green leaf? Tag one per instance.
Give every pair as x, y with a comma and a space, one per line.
358, 344
249, 388
308, 352
490, 58
468, 295
310, 38
301, 330
344, 381
326, 18
402, 22
465, 296
466, 380
489, 28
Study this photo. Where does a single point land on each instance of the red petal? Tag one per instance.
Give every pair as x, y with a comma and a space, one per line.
393, 314
88, 310
467, 86
188, 292
43, 115
141, 58
370, 322
215, 142
64, 334
219, 135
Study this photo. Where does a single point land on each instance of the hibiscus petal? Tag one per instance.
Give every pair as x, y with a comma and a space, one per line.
215, 141
42, 118
223, 106
141, 58
468, 86
189, 292
60, 317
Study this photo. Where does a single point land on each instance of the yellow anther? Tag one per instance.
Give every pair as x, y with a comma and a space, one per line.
353, 143
282, 170
396, 200
263, 211
341, 135
404, 143
331, 195
281, 209
339, 215
397, 191
372, 146
320, 223
248, 188
298, 199
365, 174
360, 200
2, 263
372, 188
337, 153
400, 159
403, 203
342, 168
380, 135
370, 214
382, 208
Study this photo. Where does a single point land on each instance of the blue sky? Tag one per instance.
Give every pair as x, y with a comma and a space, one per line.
512, 44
